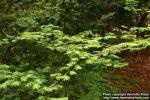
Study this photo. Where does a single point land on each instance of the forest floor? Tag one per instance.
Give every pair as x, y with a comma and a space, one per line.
135, 77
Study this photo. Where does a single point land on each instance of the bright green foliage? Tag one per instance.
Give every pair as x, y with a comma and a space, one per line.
48, 62
40, 63
145, 30
70, 58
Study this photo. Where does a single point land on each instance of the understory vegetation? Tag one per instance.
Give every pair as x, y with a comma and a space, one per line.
65, 49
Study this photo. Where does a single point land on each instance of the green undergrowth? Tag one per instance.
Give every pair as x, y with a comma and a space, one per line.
49, 64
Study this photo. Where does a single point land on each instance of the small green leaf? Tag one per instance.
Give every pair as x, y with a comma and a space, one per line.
66, 78
72, 73
77, 67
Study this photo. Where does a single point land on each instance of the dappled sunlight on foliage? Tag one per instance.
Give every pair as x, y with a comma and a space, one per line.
66, 49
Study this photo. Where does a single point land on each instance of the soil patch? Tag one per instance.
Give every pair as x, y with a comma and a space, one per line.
135, 76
